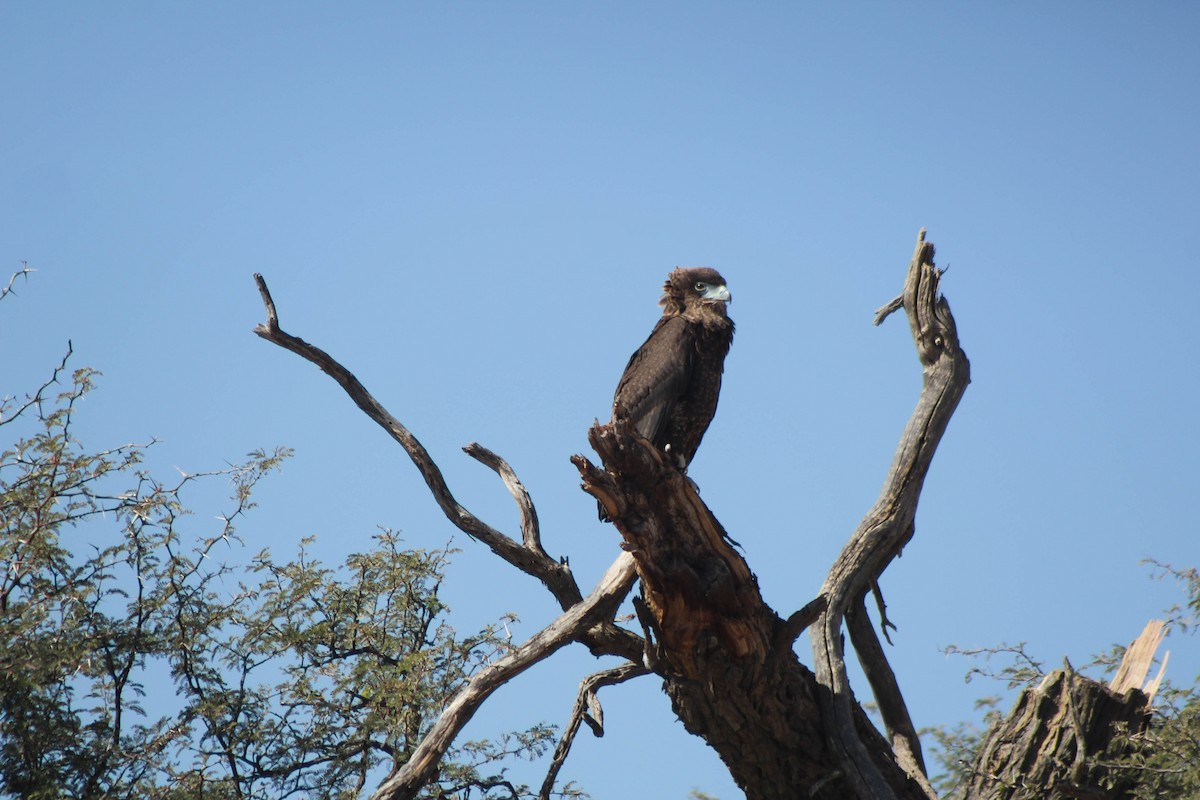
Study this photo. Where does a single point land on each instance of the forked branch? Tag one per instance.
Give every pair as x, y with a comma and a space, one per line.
884, 532
529, 556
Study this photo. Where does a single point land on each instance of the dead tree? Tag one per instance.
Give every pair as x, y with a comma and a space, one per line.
726, 659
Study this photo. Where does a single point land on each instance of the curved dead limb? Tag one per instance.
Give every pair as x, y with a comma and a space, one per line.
530, 558
888, 526
531, 534
901, 733
571, 625
587, 709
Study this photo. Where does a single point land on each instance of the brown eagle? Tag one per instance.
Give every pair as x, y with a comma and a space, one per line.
670, 387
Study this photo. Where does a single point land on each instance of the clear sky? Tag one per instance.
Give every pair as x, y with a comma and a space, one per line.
473, 206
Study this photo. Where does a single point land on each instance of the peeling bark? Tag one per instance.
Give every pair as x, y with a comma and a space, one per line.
724, 655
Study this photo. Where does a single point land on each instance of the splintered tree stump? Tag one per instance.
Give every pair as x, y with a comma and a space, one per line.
1057, 742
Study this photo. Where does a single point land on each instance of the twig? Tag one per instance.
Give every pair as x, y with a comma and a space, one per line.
587, 709
38, 397
885, 311
22, 272
884, 623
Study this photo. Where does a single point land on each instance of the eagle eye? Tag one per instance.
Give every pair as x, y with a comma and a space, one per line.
701, 286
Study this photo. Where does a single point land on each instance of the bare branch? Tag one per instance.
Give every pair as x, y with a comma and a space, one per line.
37, 397
888, 526
587, 709
555, 576
531, 534
23, 272
901, 732
886, 310
885, 624
422, 766
798, 623
265, 293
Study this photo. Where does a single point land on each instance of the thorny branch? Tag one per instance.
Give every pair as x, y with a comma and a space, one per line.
38, 397
23, 272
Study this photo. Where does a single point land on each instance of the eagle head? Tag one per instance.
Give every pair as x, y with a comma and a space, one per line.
695, 289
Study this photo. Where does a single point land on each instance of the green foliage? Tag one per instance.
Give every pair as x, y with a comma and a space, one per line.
1165, 758
955, 747
138, 660
1162, 761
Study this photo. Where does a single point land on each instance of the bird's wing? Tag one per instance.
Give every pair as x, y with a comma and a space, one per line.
655, 377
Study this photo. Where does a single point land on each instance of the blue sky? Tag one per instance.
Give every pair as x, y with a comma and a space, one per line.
473, 207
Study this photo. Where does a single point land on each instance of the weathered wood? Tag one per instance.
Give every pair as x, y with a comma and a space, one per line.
1138, 659
884, 532
1057, 741
724, 655
1063, 737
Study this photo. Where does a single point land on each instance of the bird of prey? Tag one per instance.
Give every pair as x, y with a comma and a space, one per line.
670, 387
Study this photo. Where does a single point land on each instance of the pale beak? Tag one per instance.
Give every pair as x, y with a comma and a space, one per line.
718, 293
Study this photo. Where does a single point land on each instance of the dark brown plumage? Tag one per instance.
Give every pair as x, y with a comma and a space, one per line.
670, 387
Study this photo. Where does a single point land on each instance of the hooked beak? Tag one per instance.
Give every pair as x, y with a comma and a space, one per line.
718, 293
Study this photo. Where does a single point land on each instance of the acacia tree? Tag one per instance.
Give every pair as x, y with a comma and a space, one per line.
138, 660
725, 658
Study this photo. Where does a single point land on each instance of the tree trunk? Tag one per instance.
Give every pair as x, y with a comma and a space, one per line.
725, 657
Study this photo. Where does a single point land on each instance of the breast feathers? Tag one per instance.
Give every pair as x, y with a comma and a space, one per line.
670, 387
